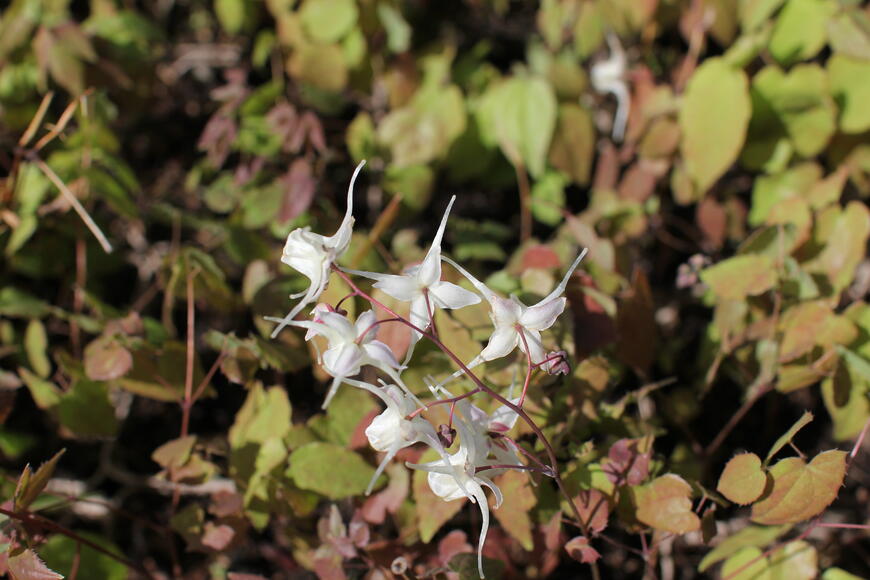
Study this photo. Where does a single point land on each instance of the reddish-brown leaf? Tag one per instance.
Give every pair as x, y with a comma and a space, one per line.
26, 565
217, 536
579, 549
594, 508
106, 359
627, 461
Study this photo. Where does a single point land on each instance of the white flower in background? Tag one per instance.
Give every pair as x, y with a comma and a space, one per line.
421, 285
391, 431
608, 76
351, 346
462, 476
313, 255
517, 324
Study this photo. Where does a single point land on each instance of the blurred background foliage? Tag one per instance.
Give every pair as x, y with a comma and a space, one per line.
727, 275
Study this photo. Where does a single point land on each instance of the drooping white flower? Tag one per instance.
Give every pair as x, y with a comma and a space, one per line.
463, 476
517, 324
608, 76
421, 285
489, 427
313, 255
351, 346
392, 431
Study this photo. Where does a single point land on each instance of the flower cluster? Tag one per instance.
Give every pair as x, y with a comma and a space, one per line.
484, 448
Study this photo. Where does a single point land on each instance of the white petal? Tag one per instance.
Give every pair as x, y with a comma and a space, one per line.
403, 288
481, 287
506, 312
420, 316
333, 388
480, 496
341, 239
363, 325
444, 486
384, 462
343, 360
341, 327
379, 354
504, 416
365, 274
535, 349
449, 295
560, 289
384, 431
430, 269
501, 343
542, 315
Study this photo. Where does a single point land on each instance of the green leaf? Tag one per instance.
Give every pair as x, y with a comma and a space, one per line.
849, 33
36, 345
30, 486
750, 536
741, 276
770, 190
850, 86
548, 198
397, 28
742, 481
15, 303
424, 129
796, 560
800, 31
85, 410
328, 21
845, 395
45, 394
711, 141
747, 564
519, 115
800, 490
786, 437
62, 553
330, 470
234, 15
845, 247
839, 574
264, 415
514, 515
573, 145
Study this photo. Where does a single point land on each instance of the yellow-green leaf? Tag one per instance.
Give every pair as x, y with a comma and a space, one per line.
713, 121
741, 276
665, 504
800, 490
742, 481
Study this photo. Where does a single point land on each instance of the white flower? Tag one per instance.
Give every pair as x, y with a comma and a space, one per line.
351, 346
421, 285
609, 77
489, 428
517, 324
460, 477
313, 255
391, 430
